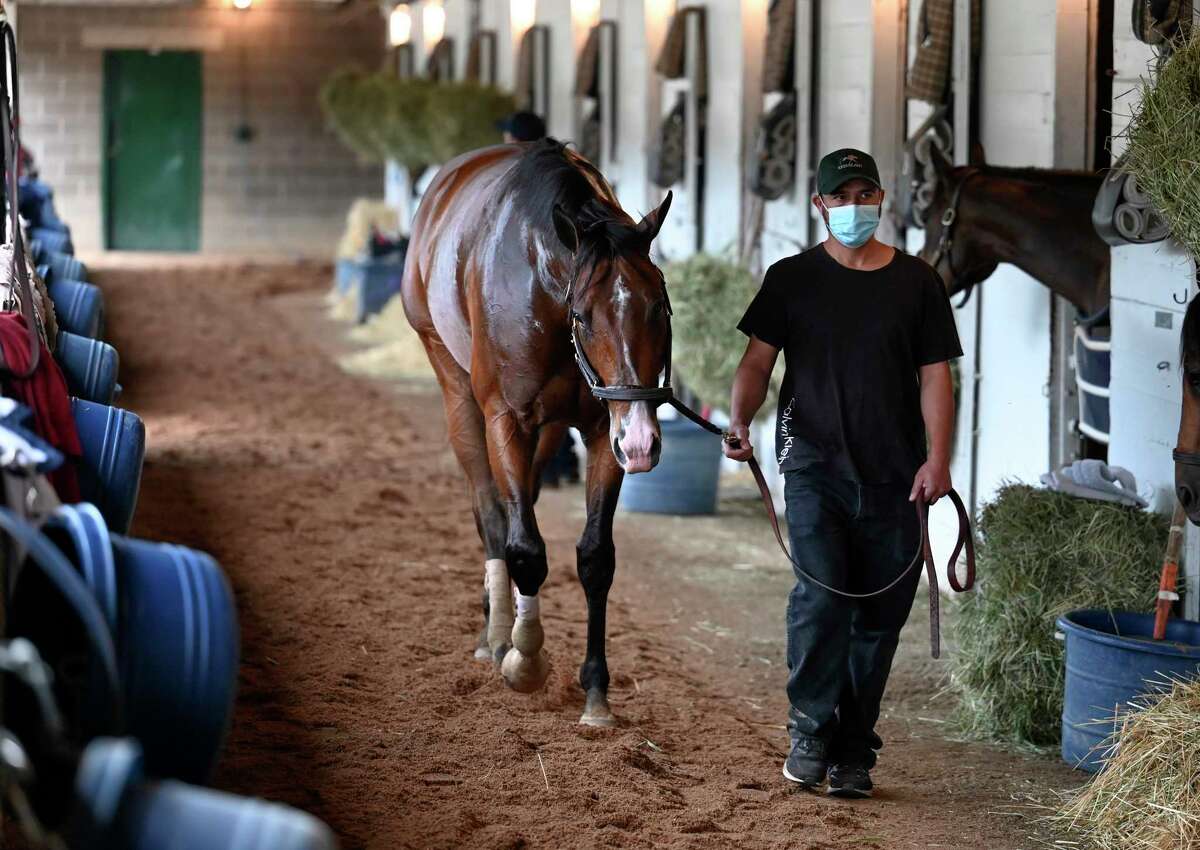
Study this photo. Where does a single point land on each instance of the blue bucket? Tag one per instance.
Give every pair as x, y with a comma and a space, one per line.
344, 274
89, 365
110, 472
65, 267
80, 533
685, 479
178, 654
1112, 658
118, 809
53, 239
79, 306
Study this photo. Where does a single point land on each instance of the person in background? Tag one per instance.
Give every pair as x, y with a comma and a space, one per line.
867, 332
564, 466
522, 127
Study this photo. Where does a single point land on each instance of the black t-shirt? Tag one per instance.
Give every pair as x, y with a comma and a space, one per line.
853, 342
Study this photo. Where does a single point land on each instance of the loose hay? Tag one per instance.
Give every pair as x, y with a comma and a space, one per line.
1164, 142
1148, 795
1042, 554
396, 350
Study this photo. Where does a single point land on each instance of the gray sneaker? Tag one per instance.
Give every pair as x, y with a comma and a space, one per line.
806, 764
849, 780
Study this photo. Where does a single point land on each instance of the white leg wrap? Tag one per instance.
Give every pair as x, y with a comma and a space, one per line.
500, 605
527, 607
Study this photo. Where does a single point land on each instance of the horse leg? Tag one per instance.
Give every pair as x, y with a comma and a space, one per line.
596, 564
464, 422
550, 437
512, 449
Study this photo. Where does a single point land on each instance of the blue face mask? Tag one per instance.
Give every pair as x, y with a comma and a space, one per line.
852, 224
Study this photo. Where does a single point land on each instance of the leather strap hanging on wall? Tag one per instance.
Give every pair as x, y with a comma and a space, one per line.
587, 67
481, 58
589, 136
930, 74
440, 64
779, 62
773, 166
672, 60
523, 89
671, 157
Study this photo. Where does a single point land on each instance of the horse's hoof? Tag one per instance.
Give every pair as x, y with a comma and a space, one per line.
596, 711
605, 721
483, 653
524, 673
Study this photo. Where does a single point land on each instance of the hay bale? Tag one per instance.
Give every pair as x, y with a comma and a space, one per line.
1042, 554
1164, 142
1148, 795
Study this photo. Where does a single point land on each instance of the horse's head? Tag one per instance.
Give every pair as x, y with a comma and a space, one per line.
1187, 447
953, 229
621, 318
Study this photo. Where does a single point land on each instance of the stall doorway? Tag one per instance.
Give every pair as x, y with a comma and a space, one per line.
153, 105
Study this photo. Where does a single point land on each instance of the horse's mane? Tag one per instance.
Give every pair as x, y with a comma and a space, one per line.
549, 176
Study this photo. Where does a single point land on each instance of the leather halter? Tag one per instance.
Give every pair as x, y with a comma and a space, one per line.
924, 555
617, 392
945, 246
1186, 458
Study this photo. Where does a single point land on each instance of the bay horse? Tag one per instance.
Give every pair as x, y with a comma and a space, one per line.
523, 271
1040, 220
1187, 446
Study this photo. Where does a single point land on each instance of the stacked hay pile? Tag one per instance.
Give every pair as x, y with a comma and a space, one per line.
1148, 795
1164, 142
1043, 554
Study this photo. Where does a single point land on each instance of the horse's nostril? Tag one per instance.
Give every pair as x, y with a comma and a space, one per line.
1187, 498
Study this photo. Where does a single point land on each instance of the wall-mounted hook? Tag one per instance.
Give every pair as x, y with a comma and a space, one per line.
1175, 297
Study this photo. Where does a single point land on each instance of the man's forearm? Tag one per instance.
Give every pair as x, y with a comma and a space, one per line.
749, 392
937, 409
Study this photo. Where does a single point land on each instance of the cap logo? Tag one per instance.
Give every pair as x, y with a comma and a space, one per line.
849, 161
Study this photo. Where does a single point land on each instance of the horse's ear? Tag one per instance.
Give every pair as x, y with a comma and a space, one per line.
977, 157
653, 222
565, 228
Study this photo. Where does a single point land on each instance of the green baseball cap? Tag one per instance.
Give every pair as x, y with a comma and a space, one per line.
842, 165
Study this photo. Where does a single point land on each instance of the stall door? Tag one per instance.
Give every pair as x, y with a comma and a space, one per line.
152, 125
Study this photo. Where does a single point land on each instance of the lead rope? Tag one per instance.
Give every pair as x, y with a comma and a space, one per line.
11, 149
924, 552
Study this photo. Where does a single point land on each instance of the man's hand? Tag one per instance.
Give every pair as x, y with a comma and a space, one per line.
932, 481
741, 450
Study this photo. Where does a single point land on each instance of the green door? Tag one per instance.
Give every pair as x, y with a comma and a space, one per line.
152, 122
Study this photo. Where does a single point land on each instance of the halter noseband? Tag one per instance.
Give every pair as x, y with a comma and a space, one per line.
945, 246
619, 392
1186, 458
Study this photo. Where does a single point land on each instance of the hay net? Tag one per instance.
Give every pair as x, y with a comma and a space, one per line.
1163, 139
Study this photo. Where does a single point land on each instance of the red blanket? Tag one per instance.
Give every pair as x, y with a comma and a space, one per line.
45, 393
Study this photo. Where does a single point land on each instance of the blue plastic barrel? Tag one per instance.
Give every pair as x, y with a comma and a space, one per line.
79, 306
66, 267
685, 479
177, 651
89, 365
110, 471
1111, 659
118, 810
81, 534
53, 239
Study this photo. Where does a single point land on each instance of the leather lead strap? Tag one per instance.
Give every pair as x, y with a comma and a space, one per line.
924, 553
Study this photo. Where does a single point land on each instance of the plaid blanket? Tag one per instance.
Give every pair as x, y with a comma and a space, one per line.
779, 62
930, 74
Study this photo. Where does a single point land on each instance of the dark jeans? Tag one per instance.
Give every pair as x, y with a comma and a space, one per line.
858, 538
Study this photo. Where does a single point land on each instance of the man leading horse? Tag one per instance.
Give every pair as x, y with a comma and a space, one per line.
867, 332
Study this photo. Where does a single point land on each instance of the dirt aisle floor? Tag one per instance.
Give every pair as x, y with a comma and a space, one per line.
336, 508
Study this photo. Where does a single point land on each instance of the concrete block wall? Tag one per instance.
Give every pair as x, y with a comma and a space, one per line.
284, 192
